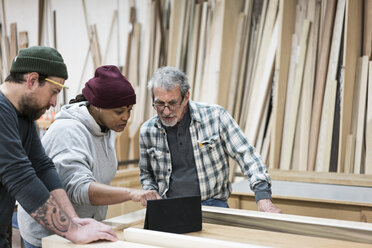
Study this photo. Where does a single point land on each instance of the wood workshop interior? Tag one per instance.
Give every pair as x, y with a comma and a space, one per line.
295, 75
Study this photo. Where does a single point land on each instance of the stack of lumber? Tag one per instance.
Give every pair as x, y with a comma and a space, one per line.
294, 74
287, 71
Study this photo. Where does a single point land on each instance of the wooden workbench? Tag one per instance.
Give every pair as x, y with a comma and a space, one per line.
236, 228
343, 202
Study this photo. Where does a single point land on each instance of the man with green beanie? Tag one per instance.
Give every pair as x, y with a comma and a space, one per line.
27, 174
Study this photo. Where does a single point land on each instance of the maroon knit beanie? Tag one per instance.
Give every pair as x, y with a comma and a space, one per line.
109, 89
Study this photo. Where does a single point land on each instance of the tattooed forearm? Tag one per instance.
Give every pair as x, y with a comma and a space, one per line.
52, 217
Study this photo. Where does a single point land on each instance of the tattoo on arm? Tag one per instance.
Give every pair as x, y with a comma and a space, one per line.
52, 217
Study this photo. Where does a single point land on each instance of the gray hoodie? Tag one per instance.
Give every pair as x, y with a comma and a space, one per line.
82, 154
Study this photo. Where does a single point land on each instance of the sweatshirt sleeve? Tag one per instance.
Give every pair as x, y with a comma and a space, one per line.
72, 156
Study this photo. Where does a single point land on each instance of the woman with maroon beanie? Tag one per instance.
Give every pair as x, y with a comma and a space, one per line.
81, 143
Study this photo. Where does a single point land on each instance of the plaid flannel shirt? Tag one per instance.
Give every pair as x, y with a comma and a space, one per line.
214, 135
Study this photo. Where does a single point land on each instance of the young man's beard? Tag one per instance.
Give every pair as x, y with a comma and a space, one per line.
29, 108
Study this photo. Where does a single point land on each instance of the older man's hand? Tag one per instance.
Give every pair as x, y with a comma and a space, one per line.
266, 205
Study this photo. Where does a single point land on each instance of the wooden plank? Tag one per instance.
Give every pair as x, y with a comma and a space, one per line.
201, 52
308, 84
13, 49
320, 81
185, 36
262, 129
132, 20
325, 134
367, 32
354, 115
193, 45
258, 15
121, 145
266, 143
352, 48
263, 72
289, 138
176, 24
310, 226
55, 30
134, 55
331, 75
243, 84
40, 22
324, 144
56, 241
237, 60
210, 79
164, 239
97, 58
359, 142
349, 154
304, 206
126, 220
8, 61
229, 31
322, 177
368, 135
141, 106
286, 15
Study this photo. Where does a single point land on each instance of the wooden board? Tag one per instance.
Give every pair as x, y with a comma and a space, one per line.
170, 240
359, 143
263, 72
127, 220
236, 62
325, 134
368, 136
310, 226
308, 84
210, 79
331, 75
176, 25
322, 177
193, 45
305, 206
5, 45
56, 241
367, 33
286, 17
229, 27
320, 80
13, 49
201, 52
349, 154
288, 140
352, 48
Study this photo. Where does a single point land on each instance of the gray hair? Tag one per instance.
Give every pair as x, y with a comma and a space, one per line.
169, 78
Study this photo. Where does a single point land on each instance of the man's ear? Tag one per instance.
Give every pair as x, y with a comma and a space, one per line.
187, 96
32, 80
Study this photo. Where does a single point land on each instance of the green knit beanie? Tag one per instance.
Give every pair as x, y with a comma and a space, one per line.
43, 60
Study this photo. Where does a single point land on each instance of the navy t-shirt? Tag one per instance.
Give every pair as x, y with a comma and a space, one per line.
27, 174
